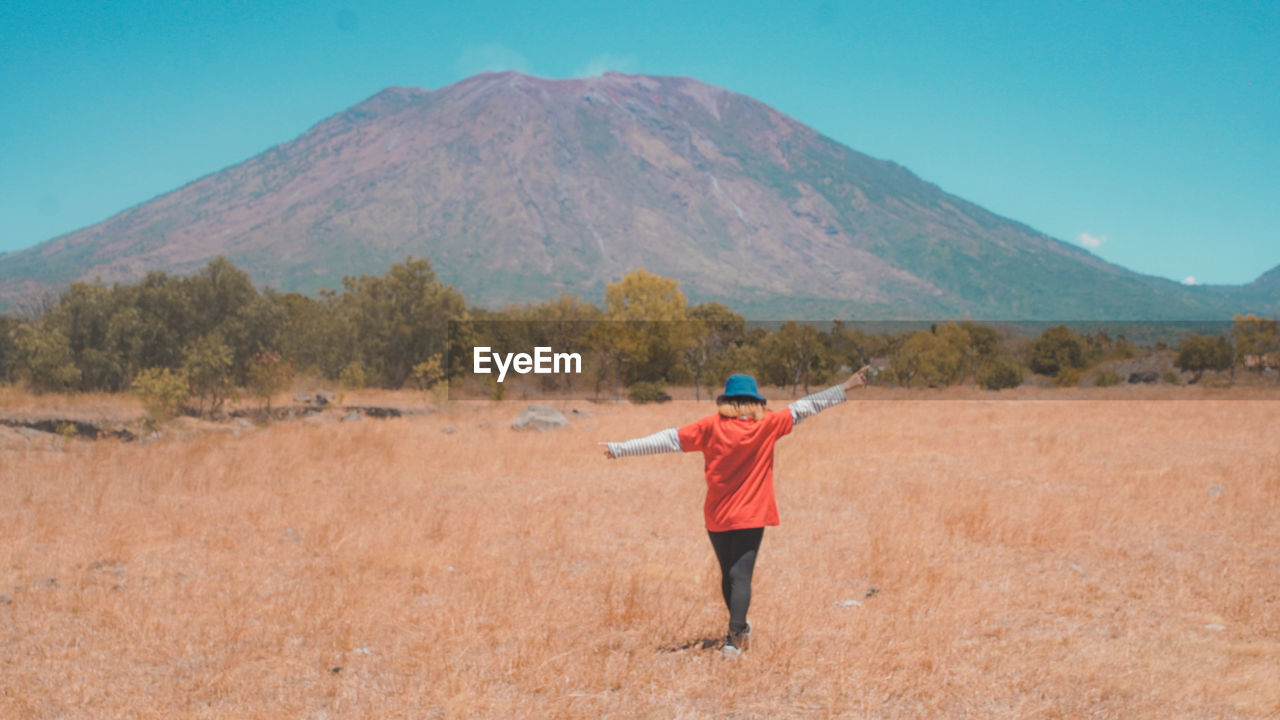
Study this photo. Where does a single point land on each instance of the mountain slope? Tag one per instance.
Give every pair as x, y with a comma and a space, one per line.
517, 188
1268, 283
1260, 296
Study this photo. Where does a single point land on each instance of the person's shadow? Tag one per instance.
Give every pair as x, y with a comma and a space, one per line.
706, 643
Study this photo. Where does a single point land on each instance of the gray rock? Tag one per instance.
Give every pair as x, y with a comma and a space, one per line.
847, 603
540, 418
6, 600
1216, 490
302, 398
449, 430
352, 416
33, 435
320, 418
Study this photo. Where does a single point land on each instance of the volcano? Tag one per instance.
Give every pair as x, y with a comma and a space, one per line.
517, 188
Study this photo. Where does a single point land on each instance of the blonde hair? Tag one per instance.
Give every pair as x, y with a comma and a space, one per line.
735, 409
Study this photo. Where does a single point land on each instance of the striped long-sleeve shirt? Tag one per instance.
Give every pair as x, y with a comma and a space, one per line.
668, 440
738, 454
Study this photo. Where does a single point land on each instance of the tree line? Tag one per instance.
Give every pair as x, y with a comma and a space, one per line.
206, 336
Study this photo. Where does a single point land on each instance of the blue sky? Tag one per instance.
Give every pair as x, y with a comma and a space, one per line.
1148, 132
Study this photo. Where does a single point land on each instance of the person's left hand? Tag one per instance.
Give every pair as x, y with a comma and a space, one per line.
856, 380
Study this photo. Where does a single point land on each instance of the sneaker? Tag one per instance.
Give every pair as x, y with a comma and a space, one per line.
729, 652
742, 641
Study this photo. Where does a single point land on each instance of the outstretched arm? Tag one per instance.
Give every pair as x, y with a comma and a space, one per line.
662, 441
832, 396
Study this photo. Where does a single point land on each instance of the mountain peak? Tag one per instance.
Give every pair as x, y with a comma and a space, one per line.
518, 187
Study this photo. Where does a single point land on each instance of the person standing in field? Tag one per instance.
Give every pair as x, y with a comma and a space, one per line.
737, 446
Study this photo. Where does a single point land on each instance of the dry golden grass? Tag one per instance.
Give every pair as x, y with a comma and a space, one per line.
16, 403
1034, 559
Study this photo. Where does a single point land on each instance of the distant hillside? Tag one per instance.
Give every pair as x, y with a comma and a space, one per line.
1260, 296
517, 188
1267, 284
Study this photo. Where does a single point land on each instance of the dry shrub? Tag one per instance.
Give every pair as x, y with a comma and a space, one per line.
1029, 559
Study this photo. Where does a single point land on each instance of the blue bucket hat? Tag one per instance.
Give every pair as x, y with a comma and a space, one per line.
742, 386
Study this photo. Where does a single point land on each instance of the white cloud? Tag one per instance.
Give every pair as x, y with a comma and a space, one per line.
490, 57
1189, 280
1090, 240
598, 64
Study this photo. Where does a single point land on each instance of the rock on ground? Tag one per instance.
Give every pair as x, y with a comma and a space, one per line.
189, 427
541, 418
22, 438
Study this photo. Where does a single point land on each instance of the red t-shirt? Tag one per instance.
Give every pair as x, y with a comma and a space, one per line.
739, 467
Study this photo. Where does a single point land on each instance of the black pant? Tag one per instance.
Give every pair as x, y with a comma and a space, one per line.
736, 550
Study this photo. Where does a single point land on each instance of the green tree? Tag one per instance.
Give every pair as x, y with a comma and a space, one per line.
219, 294
427, 373
1198, 353
645, 332
400, 319
162, 393
713, 328
83, 315
353, 376
977, 343
927, 358
314, 334
268, 374
257, 327
115, 332
983, 341
45, 360
1256, 338
998, 372
795, 355
8, 349
1097, 346
562, 323
209, 369
738, 358
1057, 349
852, 346
647, 392
164, 320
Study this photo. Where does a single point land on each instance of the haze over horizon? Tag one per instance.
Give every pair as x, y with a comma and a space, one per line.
1148, 135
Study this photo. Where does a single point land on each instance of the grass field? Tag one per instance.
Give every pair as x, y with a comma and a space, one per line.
1033, 558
